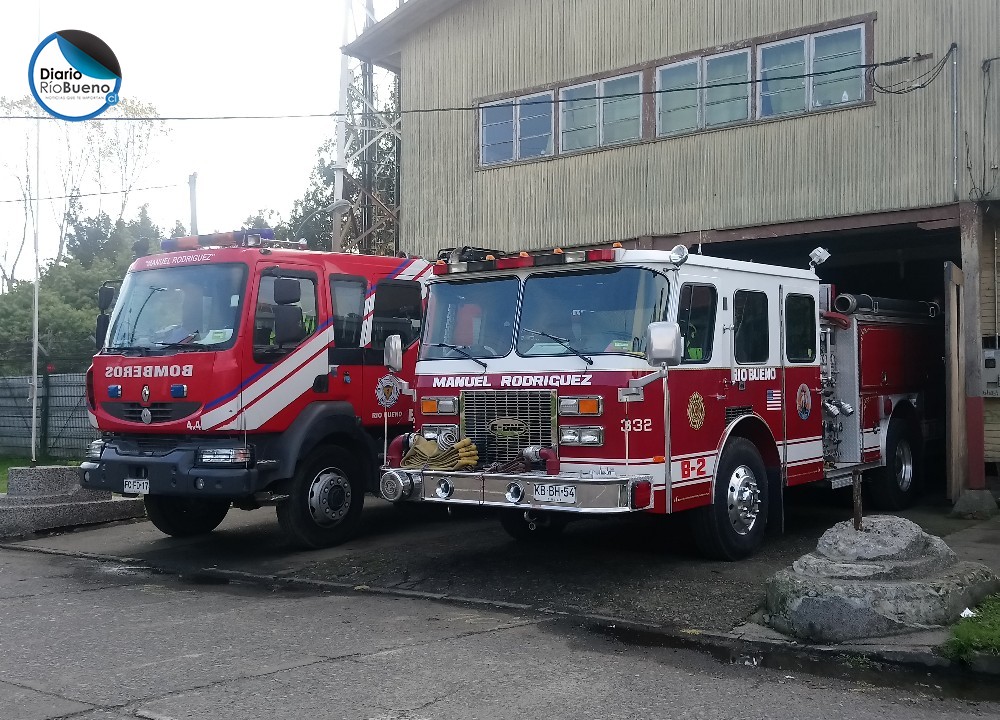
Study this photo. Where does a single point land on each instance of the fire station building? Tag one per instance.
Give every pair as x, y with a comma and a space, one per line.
750, 130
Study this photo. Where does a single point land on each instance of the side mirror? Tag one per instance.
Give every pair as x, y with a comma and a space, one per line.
105, 297
287, 291
664, 344
394, 353
101, 332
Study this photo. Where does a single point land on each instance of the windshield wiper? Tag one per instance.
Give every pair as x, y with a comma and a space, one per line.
135, 322
562, 341
185, 342
140, 349
462, 349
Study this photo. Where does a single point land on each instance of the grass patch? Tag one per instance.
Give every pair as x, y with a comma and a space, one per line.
6, 463
977, 634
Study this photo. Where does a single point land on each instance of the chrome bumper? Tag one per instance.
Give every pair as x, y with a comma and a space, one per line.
603, 496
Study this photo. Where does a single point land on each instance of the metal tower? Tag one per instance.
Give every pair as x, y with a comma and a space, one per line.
368, 142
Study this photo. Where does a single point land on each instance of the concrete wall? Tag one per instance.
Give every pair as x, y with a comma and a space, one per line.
894, 153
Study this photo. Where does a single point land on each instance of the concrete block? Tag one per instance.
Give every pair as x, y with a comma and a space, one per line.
978, 504
47, 497
890, 578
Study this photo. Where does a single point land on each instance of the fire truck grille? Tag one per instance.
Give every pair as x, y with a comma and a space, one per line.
734, 412
160, 412
503, 423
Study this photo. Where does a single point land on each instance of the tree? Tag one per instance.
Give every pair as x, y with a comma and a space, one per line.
380, 159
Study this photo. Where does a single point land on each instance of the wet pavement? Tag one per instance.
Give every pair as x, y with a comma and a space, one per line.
642, 569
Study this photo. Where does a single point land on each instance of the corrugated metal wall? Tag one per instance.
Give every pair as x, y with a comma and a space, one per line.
896, 154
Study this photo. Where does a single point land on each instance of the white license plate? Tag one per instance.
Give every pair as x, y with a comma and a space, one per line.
137, 487
546, 492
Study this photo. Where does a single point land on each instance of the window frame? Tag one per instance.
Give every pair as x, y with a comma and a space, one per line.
711, 331
767, 318
515, 104
334, 307
815, 324
267, 355
600, 101
809, 52
650, 108
660, 95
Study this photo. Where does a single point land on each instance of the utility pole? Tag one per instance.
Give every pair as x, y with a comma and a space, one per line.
192, 184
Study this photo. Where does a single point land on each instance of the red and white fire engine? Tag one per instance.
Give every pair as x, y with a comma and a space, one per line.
235, 371
608, 381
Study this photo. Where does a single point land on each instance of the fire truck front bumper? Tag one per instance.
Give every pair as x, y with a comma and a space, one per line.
185, 468
529, 491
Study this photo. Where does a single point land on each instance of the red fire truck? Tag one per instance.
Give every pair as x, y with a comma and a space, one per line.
236, 371
555, 366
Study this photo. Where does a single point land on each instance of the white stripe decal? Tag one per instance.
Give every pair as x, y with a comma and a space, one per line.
804, 451
230, 410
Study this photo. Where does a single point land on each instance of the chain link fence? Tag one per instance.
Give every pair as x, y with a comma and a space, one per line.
62, 423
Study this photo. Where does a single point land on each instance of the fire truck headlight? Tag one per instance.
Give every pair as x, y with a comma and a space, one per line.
95, 449
576, 435
225, 456
581, 405
439, 406
432, 432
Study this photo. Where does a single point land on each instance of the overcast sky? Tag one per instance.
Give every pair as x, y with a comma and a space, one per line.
193, 57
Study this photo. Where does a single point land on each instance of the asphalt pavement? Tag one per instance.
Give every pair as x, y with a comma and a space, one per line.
102, 639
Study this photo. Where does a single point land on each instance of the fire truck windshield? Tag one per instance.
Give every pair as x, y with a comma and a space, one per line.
474, 316
175, 309
590, 312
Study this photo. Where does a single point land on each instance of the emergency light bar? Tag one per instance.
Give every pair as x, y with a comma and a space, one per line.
243, 238
523, 259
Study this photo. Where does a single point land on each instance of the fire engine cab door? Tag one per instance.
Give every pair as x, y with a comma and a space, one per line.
800, 392
364, 316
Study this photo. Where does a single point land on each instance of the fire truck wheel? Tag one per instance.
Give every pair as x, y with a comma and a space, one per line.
184, 517
732, 527
536, 527
325, 500
895, 486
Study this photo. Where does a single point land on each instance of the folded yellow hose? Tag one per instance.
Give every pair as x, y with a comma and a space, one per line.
426, 453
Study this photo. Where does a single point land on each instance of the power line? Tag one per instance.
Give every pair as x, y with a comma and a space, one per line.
867, 67
91, 194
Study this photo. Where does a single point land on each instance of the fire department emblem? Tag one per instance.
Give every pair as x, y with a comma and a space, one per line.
387, 391
803, 401
696, 411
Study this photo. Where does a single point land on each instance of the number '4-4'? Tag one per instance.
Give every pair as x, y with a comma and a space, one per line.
637, 425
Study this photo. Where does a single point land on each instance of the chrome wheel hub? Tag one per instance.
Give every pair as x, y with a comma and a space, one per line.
329, 497
903, 465
743, 500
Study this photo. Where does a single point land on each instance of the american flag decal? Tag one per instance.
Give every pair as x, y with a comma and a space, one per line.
774, 399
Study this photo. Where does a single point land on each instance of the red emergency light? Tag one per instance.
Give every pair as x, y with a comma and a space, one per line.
246, 238
558, 256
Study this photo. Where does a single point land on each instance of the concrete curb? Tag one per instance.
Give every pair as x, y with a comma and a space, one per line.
745, 647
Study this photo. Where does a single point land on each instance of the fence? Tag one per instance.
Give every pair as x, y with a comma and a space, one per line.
64, 429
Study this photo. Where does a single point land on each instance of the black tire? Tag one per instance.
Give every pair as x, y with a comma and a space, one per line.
183, 516
543, 527
325, 499
896, 485
733, 526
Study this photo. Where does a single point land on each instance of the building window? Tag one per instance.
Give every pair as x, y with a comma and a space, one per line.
601, 113
812, 71
727, 88
516, 129
679, 97
706, 92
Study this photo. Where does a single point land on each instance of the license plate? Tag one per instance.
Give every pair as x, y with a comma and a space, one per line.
546, 492
136, 487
